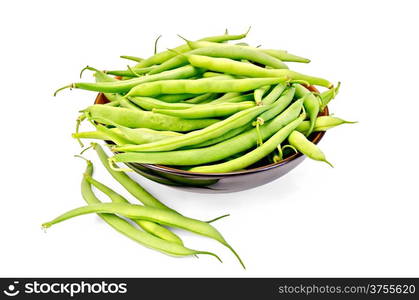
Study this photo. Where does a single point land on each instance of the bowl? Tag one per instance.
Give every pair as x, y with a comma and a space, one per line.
255, 176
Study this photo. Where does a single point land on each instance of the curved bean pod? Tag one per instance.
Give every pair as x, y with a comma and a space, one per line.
279, 105
130, 185
201, 86
302, 144
207, 111
254, 155
229, 66
311, 104
199, 136
274, 94
130, 231
227, 148
282, 55
222, 50
160, 216
165, 55
323, 123
122, 86
150, 227
142, 119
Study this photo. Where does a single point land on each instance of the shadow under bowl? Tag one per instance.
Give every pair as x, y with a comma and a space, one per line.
219, 182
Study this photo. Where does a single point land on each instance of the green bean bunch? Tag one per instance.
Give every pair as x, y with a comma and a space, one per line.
208, 106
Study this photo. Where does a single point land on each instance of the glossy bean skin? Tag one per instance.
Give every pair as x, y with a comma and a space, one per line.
150, 227
122, 86
254, 155
175, 97
323, 123
282, 55
227, 96
274, 94
144, 135
222, 150
149, 103
233, 67
130, 231
136, 136
201, 98
223, 50
143, 119
199, 136
156, 215
311, 104
279, 105
201, 86
228, 135
207, 111
129, 184
161, 57
308, 148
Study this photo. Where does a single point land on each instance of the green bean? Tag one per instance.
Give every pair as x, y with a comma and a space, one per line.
144, 135
258, 93
285, 56
279, 54
199, 136
274, 94
323, 123
151, 103
254, 155
222, 50
122, 86
311, 104
97, 135
126, 103
200, 86
142, 119
112, 97
228, 98
233, 67
201, 98
227, 148
130, 231
279, 105
237, 52
228, 135
150, 227
131, 72
174, 97
137, 135
133, 58
328, 96
129, 184
160, 216
308, 148
207, 111
114, 136
166, 55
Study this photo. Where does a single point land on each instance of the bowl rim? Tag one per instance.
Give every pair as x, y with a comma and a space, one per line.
162, 168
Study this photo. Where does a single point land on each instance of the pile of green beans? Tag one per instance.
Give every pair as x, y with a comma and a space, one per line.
193, 106
206, 106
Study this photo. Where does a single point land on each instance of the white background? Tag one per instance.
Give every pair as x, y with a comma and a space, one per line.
358, 219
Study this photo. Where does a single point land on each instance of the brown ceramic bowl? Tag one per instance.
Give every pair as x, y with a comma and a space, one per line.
256, 175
